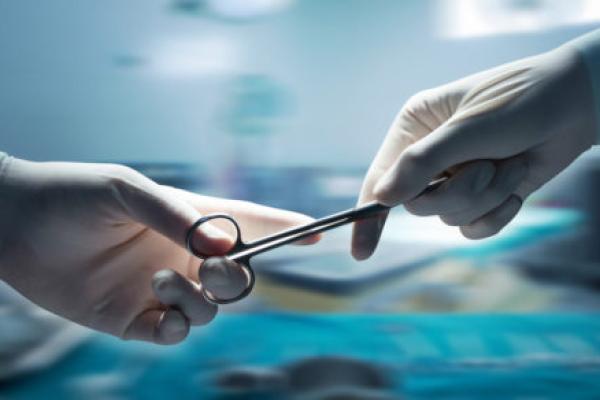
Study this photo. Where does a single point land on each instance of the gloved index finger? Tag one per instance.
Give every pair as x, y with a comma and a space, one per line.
255, 220
150, 204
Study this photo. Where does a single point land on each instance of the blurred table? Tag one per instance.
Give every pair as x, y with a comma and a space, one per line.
433, 356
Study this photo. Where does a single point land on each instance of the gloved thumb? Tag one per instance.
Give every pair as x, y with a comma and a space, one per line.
150, 204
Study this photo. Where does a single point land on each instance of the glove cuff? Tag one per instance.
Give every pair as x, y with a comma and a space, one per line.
588, 46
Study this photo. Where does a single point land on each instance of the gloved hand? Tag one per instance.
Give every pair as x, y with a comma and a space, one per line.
501, 134
91, 242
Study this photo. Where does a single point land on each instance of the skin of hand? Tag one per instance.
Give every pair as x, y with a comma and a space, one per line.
500, 135
103, 245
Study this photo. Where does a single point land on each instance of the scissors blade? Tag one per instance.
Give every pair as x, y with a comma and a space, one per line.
300, 232
320, 225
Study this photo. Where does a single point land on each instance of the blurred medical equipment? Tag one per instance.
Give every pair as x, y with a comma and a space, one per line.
314, 378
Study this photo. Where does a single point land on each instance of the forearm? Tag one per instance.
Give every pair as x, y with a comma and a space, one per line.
588, 46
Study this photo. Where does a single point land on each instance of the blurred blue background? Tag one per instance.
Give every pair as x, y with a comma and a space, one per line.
285, 103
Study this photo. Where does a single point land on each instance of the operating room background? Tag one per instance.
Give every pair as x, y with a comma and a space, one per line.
150, 81
285, 103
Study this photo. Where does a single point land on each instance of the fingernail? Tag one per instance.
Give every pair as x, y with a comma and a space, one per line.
361, 248
224, 278
485, 174
214, 233
360, 253
212, 241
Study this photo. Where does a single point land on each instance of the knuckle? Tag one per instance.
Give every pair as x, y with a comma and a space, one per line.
118, 176
414, 157
122, 182
118, 171
419, 100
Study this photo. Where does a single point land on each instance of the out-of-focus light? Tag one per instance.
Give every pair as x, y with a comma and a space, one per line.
185, 58
231, 9
531, 222
340, 185
474, 18
243, 9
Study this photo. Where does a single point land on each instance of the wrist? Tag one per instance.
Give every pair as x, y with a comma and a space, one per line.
588, 50
578, 112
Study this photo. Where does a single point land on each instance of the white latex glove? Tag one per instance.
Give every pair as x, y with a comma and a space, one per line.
501, 134
90, 242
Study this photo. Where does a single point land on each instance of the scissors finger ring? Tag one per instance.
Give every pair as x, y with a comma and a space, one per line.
233, 255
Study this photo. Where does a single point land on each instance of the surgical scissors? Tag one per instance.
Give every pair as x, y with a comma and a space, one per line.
241, 252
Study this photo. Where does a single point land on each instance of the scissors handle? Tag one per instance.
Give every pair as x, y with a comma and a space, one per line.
237, 246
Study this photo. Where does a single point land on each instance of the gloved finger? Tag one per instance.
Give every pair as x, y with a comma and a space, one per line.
413, 122
494, 221
173, 289
367, 232
150, 204
454, 194
255, 220
509, 176
158, 326
223, 278
451, 144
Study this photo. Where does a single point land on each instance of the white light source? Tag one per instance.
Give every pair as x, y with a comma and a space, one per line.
184, 58
241, 9
474, 18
